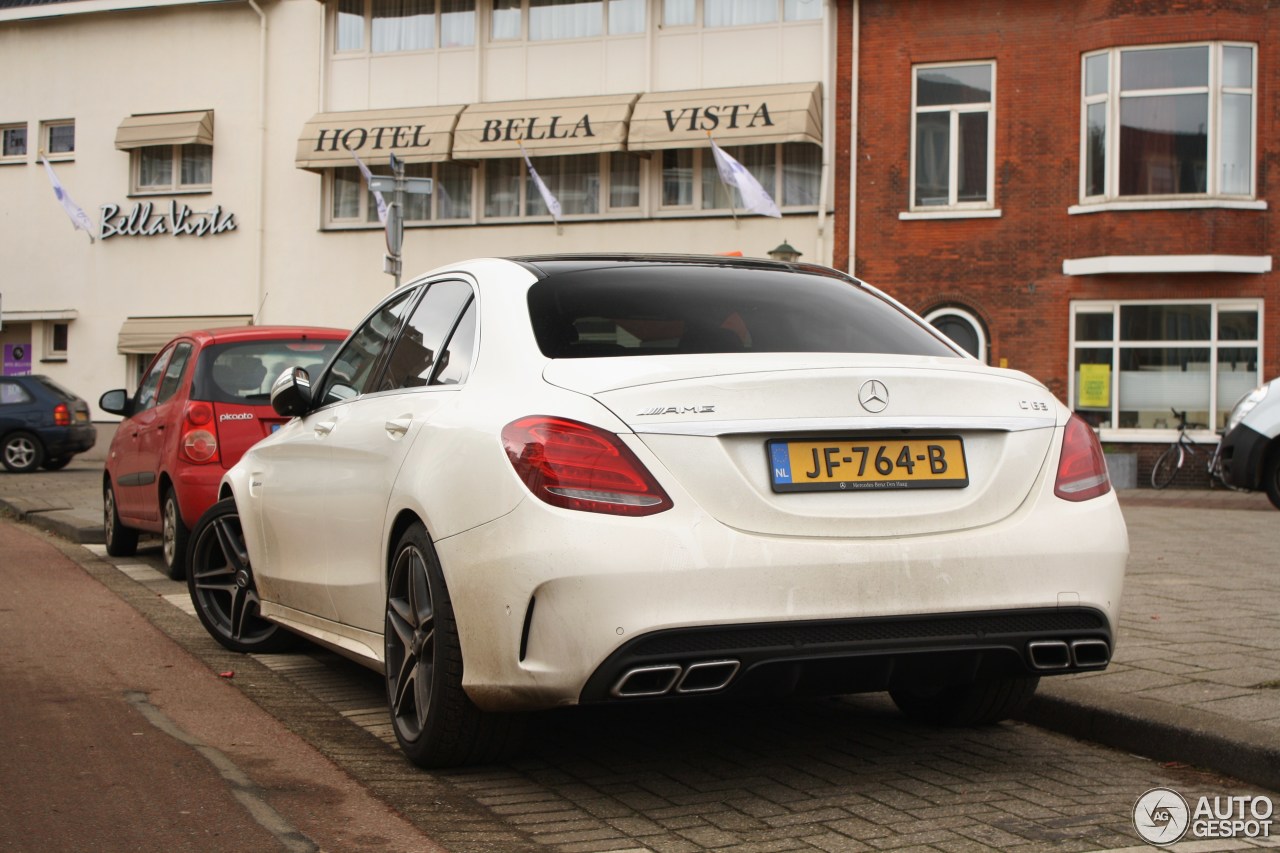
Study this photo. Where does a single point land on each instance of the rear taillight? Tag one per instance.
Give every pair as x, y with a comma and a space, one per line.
1082, 469
576, 466
199, 442
61, 415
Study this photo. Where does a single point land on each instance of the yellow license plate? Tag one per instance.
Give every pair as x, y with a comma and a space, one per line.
858, 464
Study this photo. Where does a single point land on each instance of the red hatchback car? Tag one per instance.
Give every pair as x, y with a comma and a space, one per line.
203, 401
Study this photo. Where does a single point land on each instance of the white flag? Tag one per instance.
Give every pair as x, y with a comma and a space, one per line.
734, 174
368, 180
552, 203
79, 218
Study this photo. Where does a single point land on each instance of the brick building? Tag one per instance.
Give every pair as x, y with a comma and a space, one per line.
1073, 189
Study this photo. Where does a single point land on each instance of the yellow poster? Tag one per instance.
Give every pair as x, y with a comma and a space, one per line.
1095, 386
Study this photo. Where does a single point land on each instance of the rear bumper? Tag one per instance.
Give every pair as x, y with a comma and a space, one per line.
197, 490
69, 440
1243, 452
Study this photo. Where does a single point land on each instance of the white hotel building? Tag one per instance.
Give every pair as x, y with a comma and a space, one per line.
208, 142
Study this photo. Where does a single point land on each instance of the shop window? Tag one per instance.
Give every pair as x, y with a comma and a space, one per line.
1168, 121
397, 26
1134, 362
962, 327
58, 139
953, 139
172, 168
351, 202
13, 142
55, 341
551, 20
790, 172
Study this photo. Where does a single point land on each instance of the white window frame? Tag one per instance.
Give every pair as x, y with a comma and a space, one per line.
699, 16
51, 351
366, 47
968, 317
46, 130
15, 158
524, 37
1112, 98
368, 218
175, 186
953, 164
1216, 411
703, 161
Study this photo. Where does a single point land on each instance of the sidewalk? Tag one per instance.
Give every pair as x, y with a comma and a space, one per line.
1196, 675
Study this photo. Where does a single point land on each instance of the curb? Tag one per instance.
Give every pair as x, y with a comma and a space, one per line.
1157, 730
61, 522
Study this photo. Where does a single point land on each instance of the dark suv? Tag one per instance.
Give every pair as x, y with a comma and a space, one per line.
41, 423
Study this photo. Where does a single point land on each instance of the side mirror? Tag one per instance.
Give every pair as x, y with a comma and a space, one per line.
116, 402
291, 393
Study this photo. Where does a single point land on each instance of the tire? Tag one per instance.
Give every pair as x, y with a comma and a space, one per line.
121, 541
435, 722
21, 452
1271, 477
981, 703
56, 464
1165, 469
220, 581
174, 536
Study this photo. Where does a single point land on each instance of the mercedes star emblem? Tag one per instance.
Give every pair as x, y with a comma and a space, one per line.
873, 396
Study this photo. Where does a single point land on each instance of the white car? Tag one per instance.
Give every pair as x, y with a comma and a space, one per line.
1249, 452
534, 482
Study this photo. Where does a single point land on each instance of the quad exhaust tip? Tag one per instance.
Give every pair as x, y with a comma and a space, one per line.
1058, 654
660, 679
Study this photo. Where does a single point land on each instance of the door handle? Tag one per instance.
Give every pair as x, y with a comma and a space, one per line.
396, 427
323, 428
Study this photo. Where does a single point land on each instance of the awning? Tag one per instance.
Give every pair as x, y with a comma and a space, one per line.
146, 335
165, 129
756, 115
551, 127
416, 135
38, 315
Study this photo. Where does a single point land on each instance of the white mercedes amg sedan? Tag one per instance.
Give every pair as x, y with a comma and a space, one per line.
532, 482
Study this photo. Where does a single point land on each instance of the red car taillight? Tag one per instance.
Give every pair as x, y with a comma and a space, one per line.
576, 466
61, 415
199, 442
1082, 469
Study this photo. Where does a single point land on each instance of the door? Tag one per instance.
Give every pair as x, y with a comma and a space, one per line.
370, 442
160, 429
134, 481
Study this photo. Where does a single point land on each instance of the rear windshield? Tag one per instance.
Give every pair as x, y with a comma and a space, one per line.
54, 387
242, 372
673, 309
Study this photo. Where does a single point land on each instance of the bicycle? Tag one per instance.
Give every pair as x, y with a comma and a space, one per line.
1171, 460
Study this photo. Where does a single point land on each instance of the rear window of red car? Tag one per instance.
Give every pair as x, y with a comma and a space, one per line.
242, 372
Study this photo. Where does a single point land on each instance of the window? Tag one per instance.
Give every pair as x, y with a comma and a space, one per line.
55, 340
11, 393
146, 396
550, 20
397, 26
1168, 121
790, 172
739, 13
352, 369
952, 147
13, 142
962, 327
584, 184
413, 361
172, 380
172, 168
58, 139
351, 201
1134, 361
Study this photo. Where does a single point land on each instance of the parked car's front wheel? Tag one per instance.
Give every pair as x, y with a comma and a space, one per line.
978, 704
174, 536
1271, 476
21, 452
121, 541
435, 722
220, 580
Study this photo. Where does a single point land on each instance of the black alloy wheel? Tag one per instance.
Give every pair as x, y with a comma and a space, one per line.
174, 536
121, 541
220, 581
1271, 477
435, 722
21, 452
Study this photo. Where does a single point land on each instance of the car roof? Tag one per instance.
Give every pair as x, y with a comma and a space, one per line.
231, 334
547, 265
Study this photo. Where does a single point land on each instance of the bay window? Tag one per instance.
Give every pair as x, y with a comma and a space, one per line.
1168, 121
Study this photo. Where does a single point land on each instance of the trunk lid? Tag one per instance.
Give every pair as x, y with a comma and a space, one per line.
719, 426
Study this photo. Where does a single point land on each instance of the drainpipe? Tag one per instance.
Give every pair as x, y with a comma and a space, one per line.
828, 116
853, 141
262, 158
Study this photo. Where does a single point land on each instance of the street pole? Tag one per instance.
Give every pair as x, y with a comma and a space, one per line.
397, 187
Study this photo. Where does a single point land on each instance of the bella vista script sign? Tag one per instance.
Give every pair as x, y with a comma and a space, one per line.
178, 220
